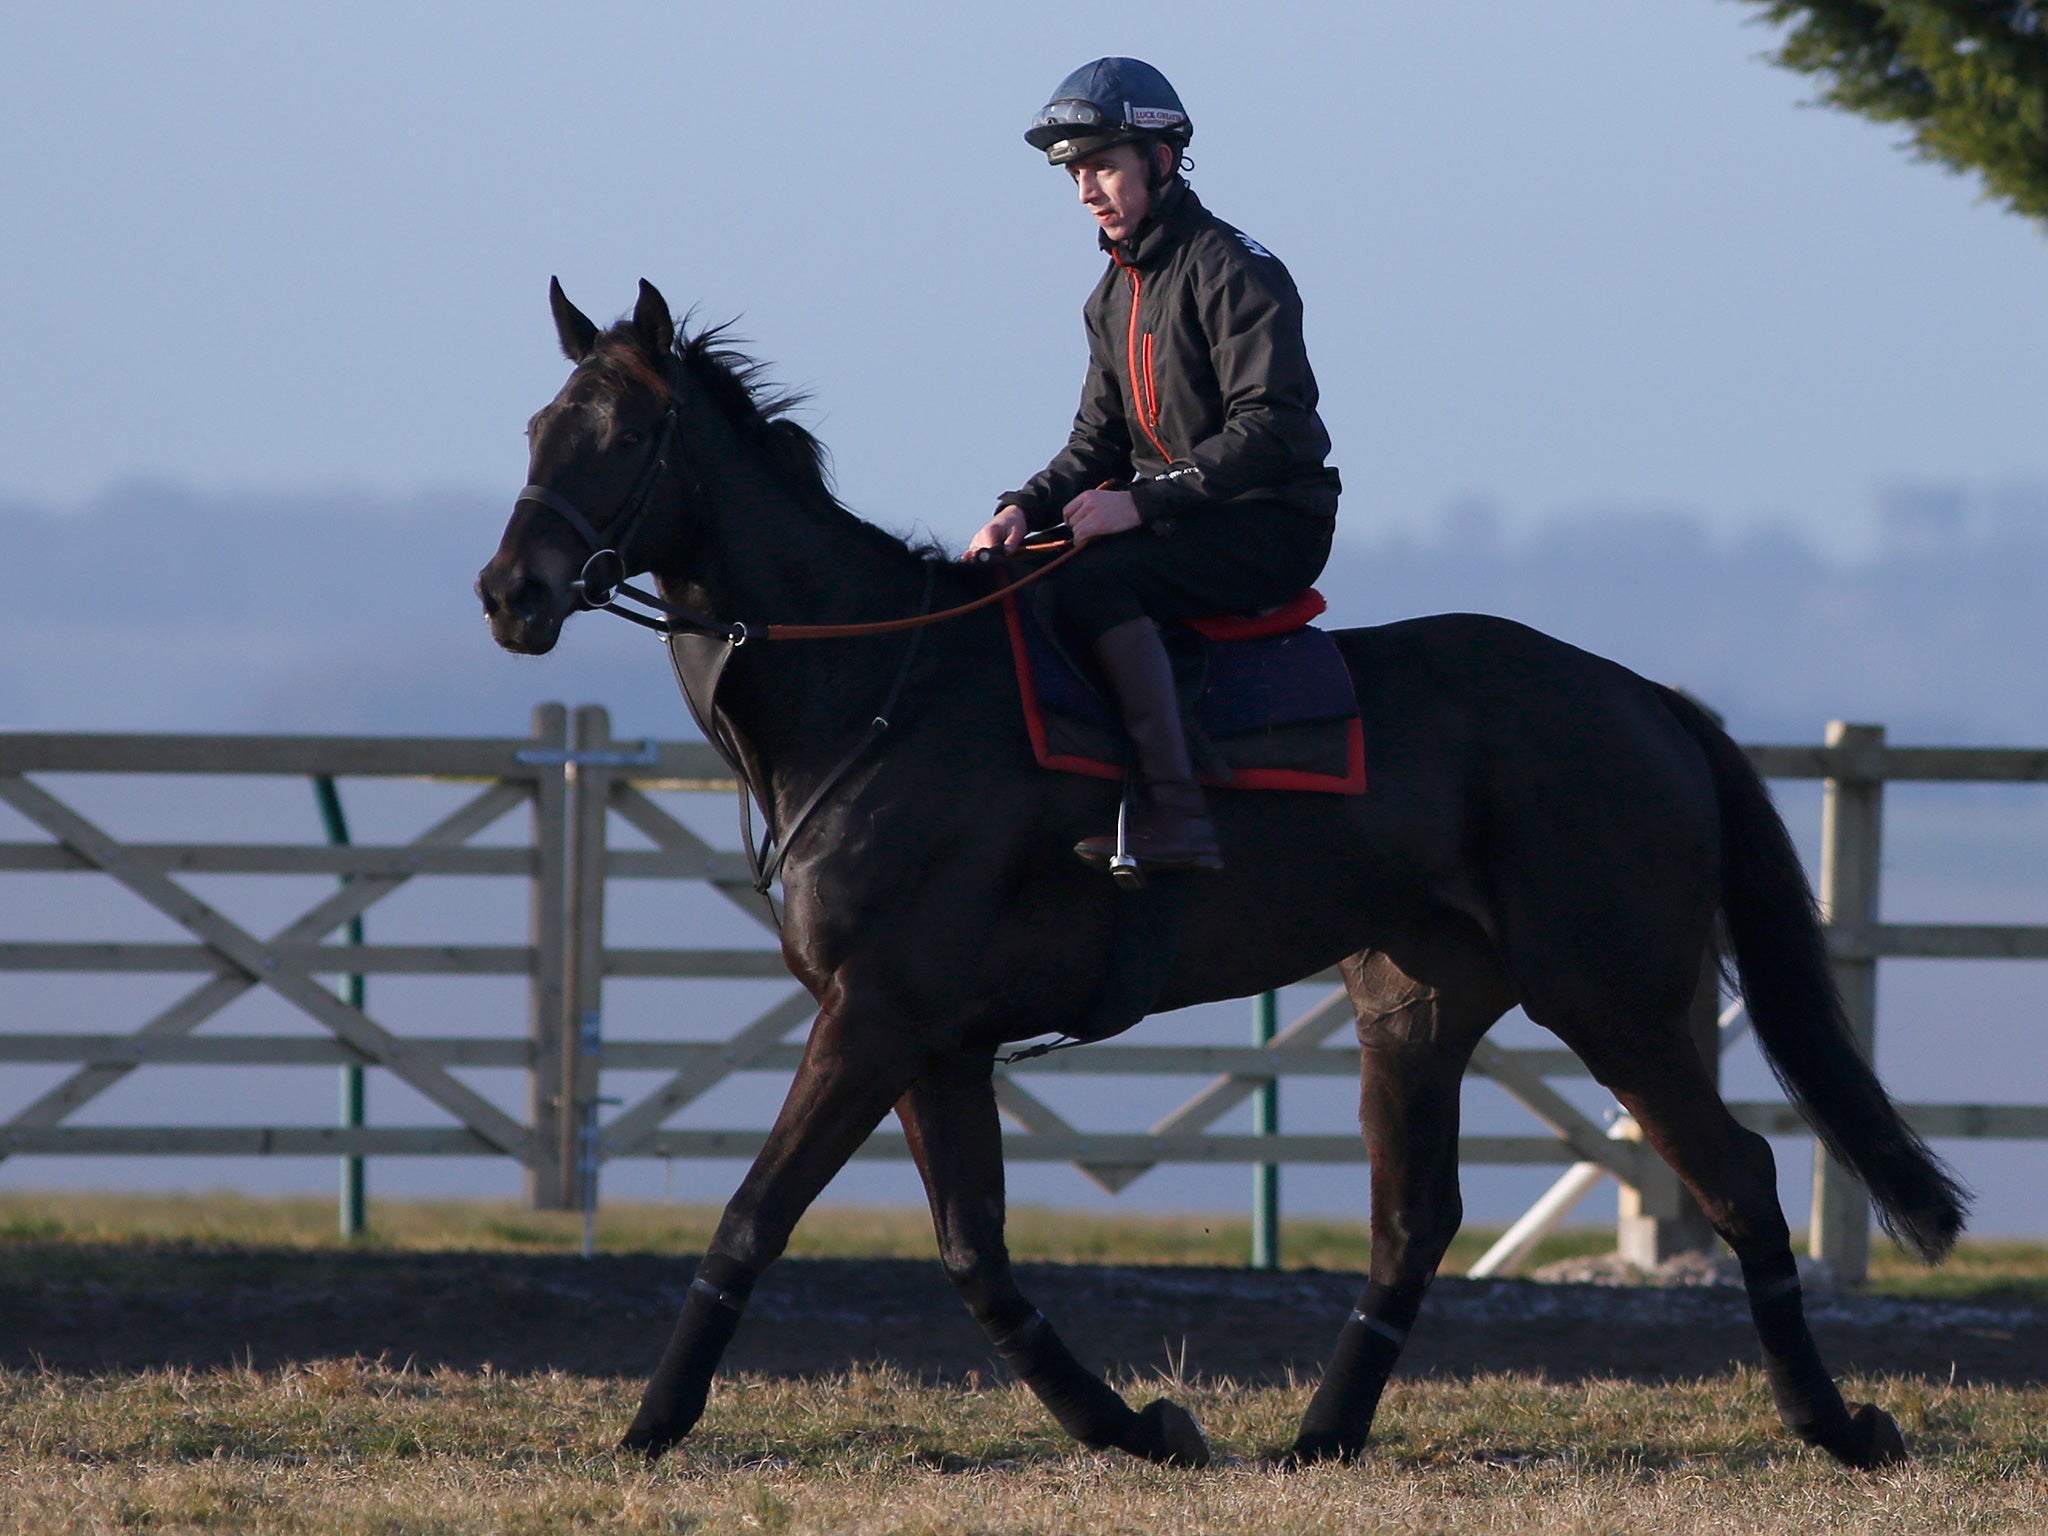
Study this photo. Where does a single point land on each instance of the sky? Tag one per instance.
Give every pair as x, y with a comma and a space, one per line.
1592, 253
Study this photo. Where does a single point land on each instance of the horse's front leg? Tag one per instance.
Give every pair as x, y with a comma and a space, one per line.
949, 1118
854, 1067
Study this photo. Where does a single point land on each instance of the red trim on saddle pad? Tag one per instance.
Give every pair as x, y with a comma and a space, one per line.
1260, 626
1034, 720
1311, 602
1353, 782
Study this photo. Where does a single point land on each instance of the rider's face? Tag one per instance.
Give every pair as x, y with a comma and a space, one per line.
1115, 188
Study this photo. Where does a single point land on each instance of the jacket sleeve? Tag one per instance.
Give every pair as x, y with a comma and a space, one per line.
1098, 449
1251, 315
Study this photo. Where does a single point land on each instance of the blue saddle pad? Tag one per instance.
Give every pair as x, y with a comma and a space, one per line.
1272, 713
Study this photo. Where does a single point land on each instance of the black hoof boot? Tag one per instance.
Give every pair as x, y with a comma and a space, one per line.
646, 1443
1171, 1436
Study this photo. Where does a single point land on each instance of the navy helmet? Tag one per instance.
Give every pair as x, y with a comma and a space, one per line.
1111, 101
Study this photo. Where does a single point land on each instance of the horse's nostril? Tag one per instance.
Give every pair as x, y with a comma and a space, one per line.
529, 597
515, 594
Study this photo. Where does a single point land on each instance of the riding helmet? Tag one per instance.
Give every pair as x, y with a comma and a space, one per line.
1111, 101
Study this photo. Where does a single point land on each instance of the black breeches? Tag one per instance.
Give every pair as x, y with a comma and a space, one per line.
1234, 557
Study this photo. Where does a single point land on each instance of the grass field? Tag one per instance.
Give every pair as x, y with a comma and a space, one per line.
348, 1446
343, 1447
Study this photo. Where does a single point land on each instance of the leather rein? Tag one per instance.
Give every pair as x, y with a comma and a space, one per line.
699, 647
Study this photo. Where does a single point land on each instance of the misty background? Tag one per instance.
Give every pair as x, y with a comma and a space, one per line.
1616, 337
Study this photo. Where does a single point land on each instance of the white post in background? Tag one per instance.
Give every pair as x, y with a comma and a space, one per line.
1851, 861
1661, 1220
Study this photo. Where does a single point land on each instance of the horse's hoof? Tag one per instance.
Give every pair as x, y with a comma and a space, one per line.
1876, 1440
646, 1441
1172, 1437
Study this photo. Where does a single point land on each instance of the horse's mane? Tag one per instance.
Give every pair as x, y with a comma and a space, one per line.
762, 413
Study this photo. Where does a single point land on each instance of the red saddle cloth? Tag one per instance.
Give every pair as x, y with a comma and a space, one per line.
1304, 610
1269, 702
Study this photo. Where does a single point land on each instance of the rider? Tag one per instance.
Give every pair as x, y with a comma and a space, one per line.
1199, 406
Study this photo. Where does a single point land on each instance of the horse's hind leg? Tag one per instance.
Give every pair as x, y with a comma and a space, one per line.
949, 1117
1418, 1021
1659, 1078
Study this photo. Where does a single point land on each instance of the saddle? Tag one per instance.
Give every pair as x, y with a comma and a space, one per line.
1267, 698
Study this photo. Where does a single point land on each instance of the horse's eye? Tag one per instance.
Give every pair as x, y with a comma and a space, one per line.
632, 439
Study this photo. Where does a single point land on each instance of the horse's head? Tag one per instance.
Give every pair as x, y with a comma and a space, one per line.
600, 451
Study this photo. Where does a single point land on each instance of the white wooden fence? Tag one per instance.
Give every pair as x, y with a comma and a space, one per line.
571, 778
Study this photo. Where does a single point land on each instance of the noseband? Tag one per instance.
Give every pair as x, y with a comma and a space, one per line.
625, 521
603, 577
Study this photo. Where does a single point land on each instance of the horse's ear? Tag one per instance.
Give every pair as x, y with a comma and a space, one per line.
576, 329
651, 320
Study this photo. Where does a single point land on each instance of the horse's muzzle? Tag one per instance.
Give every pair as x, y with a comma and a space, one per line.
524, 609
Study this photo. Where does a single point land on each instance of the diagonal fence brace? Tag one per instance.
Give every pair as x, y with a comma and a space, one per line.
636, 1126
257, 961
211, 996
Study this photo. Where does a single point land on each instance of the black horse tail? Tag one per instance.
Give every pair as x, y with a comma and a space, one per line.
1780, 952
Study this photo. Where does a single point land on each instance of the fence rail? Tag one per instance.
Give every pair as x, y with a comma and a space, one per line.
572, 779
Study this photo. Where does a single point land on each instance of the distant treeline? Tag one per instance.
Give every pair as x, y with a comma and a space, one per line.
157, 610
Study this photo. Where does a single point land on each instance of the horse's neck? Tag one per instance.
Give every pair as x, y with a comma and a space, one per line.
768, 557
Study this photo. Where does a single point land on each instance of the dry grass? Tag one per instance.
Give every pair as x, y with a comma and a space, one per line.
345, 1447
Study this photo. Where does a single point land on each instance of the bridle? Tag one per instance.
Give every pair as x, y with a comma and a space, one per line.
602, 579
626, 521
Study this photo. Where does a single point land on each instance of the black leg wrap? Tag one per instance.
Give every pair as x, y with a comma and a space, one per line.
1083, 1402
1340, 1414
1800, 1384
676, 1393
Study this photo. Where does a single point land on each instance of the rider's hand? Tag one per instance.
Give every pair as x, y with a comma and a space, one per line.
1095, 513
1004, 531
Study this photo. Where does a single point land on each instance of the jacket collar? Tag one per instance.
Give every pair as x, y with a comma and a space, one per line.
1147, 245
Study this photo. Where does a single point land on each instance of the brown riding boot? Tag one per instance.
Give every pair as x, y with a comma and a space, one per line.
1169, 823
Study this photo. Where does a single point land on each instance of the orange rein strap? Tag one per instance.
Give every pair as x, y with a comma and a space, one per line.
894, 626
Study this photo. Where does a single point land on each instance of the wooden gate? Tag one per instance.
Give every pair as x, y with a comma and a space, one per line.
572, 780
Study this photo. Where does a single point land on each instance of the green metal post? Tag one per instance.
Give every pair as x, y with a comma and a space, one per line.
1266, 1122
354, 1201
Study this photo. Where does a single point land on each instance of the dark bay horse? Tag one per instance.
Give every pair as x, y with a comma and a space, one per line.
1544, 828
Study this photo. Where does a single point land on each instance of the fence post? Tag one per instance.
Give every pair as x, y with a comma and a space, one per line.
589, 794
1851, 862
1266, 1122
353, 1213
548, 933
1661, 1219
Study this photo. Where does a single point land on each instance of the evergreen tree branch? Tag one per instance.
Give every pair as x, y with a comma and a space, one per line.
1968, 78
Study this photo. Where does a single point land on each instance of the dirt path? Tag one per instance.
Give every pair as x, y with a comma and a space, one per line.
89, 1310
